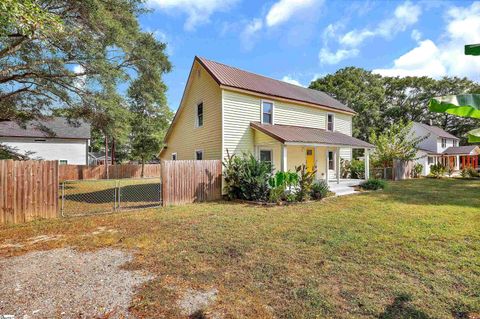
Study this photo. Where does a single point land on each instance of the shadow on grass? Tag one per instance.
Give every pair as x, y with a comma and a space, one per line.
435, 192
401, 308
139, 193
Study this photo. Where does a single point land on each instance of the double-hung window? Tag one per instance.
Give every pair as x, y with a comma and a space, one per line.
200, 115
267, 112
330, 122
444, 142
455, 143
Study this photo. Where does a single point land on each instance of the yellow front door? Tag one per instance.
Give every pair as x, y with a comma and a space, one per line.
310, 159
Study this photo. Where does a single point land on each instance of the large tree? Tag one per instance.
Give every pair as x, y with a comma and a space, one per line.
360, 90
61, 53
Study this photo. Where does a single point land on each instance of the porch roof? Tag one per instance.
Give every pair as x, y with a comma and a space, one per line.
460, 150
289, 134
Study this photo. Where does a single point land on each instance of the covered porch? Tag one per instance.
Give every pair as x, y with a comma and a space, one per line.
290, 146
458, 157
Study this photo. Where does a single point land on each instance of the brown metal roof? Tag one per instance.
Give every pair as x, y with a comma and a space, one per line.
232, 77
460, 150
58, 127
299, 134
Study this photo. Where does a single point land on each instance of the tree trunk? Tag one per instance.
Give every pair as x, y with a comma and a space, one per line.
143, 168
106, 157
113, 151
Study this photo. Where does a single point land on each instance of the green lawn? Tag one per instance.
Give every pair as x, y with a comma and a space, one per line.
411, 251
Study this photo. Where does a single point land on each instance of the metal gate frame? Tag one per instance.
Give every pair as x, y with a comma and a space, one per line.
117, 195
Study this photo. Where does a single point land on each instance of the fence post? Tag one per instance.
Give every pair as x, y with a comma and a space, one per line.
63, 199
119, 193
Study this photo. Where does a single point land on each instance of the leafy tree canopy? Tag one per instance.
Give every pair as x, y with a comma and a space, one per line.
71, 54
382, 101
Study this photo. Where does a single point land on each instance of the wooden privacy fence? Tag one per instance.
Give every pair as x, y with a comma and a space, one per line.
79, 172
28, 190
191, 181
402, 169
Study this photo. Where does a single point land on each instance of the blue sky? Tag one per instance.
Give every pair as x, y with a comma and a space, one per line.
299, 40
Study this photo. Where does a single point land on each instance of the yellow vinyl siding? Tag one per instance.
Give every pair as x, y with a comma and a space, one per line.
240, 109
185, 138
263, 141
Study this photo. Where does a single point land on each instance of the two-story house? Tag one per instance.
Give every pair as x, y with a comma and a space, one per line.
225, 110
442, 147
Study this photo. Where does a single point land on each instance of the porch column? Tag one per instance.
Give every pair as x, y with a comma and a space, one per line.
326, 166
337, 164
317, 163
457, 162
283, 158
367, 163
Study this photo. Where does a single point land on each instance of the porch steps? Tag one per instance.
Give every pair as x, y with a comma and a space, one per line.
345, 187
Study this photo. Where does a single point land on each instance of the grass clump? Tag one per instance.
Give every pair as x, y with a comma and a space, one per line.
374, 184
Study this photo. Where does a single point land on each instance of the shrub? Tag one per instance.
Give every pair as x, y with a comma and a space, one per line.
357, 169
449, 170
417, 170
320, 189
344, 168
469, 172
305, 181
437, 170
374, 184
247, 178
282, 183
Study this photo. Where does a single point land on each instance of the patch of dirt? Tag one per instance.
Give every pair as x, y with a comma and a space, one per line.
67, 283
31, 241
101, 230
194, 302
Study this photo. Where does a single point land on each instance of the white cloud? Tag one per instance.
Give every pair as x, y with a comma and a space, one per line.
446, 57
249, 33
405, 15
198, 12
283, 10
289, 79
328, 57
416, 35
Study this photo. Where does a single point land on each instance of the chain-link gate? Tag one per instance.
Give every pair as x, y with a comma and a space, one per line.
89, 197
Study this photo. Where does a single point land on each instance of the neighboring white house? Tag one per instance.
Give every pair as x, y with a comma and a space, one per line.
442, 147
53, 139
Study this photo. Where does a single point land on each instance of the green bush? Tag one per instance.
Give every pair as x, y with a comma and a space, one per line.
357, 169
282, 184
417, 170
320, 189
305, 181
469, 172
437, 170
374, 184
247, 178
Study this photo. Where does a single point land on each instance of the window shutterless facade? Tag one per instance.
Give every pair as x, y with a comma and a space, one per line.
199, 155
444, 142
199, 120
267, 112
266, 156
331, 160
174, 156
330, 122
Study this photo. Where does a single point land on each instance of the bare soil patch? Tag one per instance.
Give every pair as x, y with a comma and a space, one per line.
68, 283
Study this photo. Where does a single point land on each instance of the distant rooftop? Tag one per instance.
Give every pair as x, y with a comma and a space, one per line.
236, 78
58, 127
436, 130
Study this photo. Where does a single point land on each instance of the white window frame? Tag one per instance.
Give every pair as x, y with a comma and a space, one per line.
65, 162
333, 122
201, 151
455, 143
261, 111
443, 145
176, 157
269, 149
333, 159
196, 114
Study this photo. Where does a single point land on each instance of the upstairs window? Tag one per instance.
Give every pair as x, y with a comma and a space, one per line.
200, 115
444, 142
267, 112
199, 155
330, 120
455, 143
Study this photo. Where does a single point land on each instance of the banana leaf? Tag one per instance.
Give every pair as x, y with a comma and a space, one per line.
464, 105
472, 49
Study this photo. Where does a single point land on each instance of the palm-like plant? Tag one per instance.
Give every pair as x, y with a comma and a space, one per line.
464, 105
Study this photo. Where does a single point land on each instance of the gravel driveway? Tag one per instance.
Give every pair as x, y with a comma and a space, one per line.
68, 284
